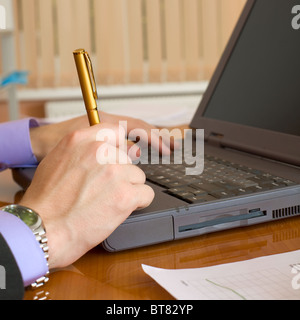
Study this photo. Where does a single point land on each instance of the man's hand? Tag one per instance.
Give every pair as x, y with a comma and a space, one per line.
45, 138
80, 201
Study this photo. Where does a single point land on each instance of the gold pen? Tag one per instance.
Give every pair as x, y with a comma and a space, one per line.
87, 84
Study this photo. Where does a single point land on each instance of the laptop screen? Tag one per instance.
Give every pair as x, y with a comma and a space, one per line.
260, 85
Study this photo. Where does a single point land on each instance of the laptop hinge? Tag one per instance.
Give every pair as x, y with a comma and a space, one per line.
215, 139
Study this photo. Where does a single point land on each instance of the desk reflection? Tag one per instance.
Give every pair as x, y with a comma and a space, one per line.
119, 276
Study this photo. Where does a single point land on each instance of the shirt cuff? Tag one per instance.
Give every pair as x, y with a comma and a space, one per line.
15, 145
24, 246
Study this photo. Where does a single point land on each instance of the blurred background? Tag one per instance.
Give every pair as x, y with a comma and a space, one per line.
151, 58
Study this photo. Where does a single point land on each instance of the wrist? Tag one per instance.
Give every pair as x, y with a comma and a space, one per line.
59, 243
39, 142
59, 234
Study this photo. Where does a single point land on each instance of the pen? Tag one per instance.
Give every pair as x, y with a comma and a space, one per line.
87, 84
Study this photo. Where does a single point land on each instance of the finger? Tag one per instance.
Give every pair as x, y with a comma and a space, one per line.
144, 196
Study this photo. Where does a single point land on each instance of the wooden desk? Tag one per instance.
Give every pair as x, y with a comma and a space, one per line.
119, 276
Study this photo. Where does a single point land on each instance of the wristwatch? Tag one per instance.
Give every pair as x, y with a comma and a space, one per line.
34, 222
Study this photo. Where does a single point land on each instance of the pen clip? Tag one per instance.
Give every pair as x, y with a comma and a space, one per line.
91, 73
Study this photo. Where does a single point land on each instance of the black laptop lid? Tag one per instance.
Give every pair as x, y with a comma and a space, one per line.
253, 100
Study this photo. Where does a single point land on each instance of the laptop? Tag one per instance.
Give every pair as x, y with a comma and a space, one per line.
250, 114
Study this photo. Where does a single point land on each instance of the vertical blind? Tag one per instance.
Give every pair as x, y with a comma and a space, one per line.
129, 41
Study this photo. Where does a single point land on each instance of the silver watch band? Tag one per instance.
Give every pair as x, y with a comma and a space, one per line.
43, 241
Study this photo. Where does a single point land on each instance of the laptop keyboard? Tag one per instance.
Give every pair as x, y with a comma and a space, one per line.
220, 179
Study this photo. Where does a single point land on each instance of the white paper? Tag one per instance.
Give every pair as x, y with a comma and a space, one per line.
274, 277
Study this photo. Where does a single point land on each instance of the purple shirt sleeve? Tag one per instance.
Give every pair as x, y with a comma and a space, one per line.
15, 145
16, 151
25, 248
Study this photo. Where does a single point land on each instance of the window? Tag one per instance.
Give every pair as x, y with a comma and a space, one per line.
2, 17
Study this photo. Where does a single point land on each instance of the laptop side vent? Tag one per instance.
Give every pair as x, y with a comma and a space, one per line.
286, 212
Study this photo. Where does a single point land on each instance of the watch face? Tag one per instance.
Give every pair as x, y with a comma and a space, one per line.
28, 216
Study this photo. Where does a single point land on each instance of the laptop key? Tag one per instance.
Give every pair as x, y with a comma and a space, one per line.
201, 199
208, 187
284, 181
199, 192
247, 184
187, 189
222, 194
